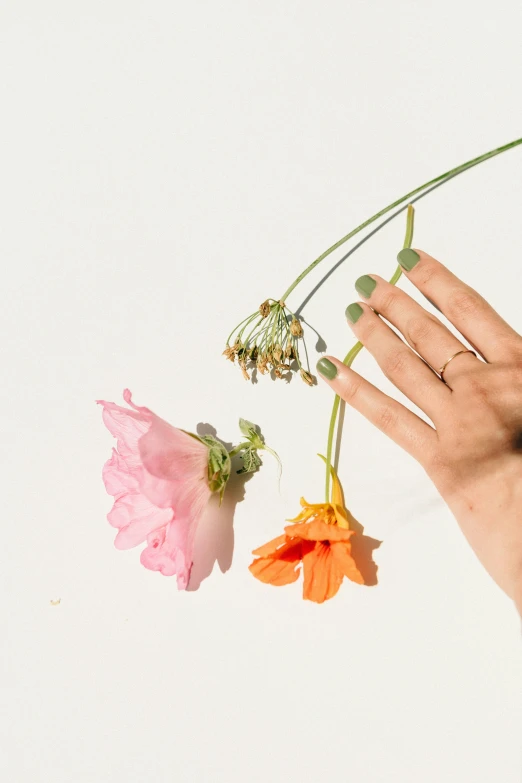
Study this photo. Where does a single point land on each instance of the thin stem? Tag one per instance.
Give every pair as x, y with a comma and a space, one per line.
239, 448
382, 212
348, 359
244, 321
353, 352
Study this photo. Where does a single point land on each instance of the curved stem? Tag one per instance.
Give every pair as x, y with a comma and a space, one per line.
440, 178
352, 353
244, 321
238, 448
348, 359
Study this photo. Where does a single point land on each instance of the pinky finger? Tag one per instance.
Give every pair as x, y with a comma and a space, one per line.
389, 416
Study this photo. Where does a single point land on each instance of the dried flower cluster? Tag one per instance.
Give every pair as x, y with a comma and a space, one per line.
268, 340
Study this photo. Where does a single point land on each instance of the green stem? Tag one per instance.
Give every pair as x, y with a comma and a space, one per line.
348, 359
440, 178
353, 352
239, 448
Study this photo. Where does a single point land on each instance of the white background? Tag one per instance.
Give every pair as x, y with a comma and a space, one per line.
166, 166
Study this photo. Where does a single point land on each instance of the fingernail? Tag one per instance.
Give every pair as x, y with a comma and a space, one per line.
365, 285
327, 369
354, 312
407, 258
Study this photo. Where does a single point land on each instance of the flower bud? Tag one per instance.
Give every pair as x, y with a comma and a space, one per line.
295, 328
264, 309
307, 377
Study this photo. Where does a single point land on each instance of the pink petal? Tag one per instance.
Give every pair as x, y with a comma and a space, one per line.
172, 455
158, 477
166, 552
128, 427
136, 517
117, 477
175, 468
170, 550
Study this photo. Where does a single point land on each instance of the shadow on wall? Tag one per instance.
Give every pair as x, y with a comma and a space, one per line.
362, 552
214, 542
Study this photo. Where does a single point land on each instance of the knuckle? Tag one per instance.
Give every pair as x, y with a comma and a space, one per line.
463, 303
386, 418
428, 271
395, 363
369, 328
388, 301
441, 468
477, 393
474, 384
516, 362
352, 389
420, 329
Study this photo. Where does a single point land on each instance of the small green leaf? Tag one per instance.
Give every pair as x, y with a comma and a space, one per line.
250, 431
247, 427
219, 464
251, 461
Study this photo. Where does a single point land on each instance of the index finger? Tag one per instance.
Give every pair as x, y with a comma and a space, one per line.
466, 309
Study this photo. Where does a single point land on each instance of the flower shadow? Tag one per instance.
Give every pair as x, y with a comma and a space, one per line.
363, 548
214, 541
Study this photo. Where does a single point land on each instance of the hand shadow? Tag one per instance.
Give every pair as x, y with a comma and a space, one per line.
214, 541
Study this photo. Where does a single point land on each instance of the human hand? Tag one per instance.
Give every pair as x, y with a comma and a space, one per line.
473, 451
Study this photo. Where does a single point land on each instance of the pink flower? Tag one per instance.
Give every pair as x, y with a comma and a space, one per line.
158, 476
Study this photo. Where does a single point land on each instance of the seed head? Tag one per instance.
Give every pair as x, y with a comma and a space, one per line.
277, 353
295, 327
231, 351
264, 309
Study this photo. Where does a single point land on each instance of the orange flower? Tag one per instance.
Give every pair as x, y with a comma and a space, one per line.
320, 540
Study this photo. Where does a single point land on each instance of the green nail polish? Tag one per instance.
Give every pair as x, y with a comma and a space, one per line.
327, 368
354, 312
365, 285
407, 258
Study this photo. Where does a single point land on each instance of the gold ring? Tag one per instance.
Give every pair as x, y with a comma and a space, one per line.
464, 350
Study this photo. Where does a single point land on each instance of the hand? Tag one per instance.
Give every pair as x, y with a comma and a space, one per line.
473, 451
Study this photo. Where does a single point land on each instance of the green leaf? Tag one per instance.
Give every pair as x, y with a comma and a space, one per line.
251, 461
219, 464
250, 431
247, 427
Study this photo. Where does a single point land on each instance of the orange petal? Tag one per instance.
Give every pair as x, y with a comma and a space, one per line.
322, 574
271, 547
337, 497
341, 553
281, 569
319, 531
337, 490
